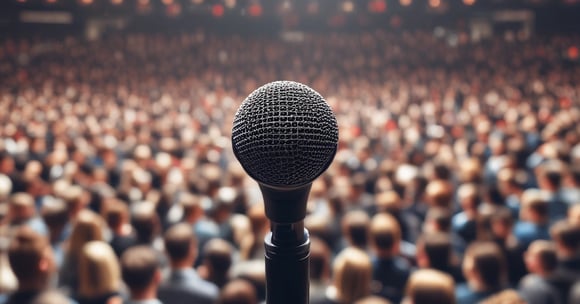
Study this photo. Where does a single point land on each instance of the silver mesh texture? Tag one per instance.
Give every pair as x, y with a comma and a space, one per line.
284, 134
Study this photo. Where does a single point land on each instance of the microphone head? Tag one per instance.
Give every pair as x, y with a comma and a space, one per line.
285, 135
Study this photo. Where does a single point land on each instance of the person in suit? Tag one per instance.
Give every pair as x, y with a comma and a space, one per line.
142, 275
534, 218
390, 270
541, 261
434, 251
485, 272
566, 235
32, 261
184, 285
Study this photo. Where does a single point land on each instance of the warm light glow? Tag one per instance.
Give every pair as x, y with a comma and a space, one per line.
230, 3
286, 5
197, 1
51, 1
143, 2
117, 2
86, 2
255, 10
348, 6
377, 6
21, 1
406, 2
434, 3
469, 2
217, 10
167, 2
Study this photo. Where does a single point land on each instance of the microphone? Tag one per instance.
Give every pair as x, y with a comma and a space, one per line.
285, 136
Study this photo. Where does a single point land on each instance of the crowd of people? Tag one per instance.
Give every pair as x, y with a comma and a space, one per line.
456, 180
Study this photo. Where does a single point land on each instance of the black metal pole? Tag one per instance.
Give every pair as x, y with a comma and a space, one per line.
287, 264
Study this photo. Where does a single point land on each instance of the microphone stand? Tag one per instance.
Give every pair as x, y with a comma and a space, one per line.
287, 245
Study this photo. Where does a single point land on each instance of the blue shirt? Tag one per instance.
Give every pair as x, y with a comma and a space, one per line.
527, 232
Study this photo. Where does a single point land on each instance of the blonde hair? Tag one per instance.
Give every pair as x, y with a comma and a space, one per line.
431, 286
352, 275
99, 270
88, 227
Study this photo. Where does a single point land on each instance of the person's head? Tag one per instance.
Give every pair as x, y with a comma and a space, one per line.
437, 220
385, 235
439, 193
31, 259
146, 222
192, 209
116, 215
76, 199
484, 266
541, 258
55, 215
140, 271
181, 245
566, 236
434, 251
21, 208
319, 260
501, 222
99, 270
469, 198
534, 206
238, 291
355, 228
551, 175
217, 259
352, 274
388, 201
88, 227
429, 286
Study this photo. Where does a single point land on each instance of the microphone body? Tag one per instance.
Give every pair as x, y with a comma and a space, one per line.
285, 136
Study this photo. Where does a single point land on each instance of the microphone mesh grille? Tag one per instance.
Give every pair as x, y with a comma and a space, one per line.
284, 134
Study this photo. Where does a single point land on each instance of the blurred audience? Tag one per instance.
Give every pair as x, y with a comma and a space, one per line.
449, 155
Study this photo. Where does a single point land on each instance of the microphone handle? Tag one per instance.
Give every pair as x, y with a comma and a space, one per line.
287, 272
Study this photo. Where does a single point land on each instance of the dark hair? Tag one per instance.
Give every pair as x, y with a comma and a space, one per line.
441, 216
25, 253
437, 247
548, 258
138, 266
115, 213
146, 224
319, 258
552, 172
567, 234
217, 255
356, 227
55, 214
179, 241
488, 262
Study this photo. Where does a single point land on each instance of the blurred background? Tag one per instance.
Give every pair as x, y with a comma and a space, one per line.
457, 176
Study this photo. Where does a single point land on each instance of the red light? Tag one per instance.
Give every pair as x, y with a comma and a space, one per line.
255, 10
377, 6
573, 53
217, 10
